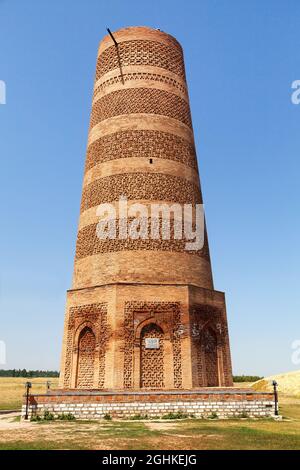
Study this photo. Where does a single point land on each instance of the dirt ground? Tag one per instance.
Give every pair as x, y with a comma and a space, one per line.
189, 434
158, 434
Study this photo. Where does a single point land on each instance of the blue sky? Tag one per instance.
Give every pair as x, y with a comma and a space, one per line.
241, 59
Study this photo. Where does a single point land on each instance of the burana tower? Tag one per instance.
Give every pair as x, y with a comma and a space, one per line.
145, 332
141, 314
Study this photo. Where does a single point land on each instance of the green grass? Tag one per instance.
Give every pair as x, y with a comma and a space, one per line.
41, 445
151, 434
160, 434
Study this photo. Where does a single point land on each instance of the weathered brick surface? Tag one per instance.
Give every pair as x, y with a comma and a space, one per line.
89, 244
142, 52
140, 100
86, 358
133, 143
141, 146
140, 186
101, 86
120, 405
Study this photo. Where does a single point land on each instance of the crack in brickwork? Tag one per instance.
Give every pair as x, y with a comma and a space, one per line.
141, 144
141, 52
140, 186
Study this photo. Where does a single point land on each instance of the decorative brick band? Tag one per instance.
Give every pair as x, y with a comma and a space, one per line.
128, 122
140, 186
143, 143
140, 100
89, 244
141, 52
126, 77
135, 33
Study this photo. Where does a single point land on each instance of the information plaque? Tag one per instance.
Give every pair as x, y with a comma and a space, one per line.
152, 343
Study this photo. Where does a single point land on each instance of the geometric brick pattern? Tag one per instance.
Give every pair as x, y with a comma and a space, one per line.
143, 186
177, 335
209, 334
128, 344
152, 360
143, 143
141, 52
140, 100
89, 244
86, 359
87, 337
127, 77
167, 318
209, 339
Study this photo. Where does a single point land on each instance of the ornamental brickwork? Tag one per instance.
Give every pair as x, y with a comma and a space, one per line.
140, 186
142, 314
140, 100
134, 143
86, 340
139, 76
152, 360
142, 52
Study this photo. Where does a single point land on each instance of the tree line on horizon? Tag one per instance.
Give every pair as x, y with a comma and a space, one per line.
246, 378
54, 373
28, 373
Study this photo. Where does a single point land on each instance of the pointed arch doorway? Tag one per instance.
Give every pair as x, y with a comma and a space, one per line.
86, 358
152, 357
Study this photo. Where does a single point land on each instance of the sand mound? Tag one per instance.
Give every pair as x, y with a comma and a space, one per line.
288, 383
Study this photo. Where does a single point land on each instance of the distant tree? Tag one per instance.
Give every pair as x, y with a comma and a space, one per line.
28, 373
246, 378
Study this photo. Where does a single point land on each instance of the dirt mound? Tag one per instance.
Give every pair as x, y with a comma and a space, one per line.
288, 383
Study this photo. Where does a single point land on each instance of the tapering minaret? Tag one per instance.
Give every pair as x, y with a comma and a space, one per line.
141, 313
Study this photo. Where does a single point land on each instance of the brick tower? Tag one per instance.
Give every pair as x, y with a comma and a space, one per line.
141, 314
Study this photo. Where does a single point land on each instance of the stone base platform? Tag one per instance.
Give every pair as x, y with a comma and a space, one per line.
200, 403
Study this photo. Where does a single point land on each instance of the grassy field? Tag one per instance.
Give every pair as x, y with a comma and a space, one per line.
156, 434
13, 388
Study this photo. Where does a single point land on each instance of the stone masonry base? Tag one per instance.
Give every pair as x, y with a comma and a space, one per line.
201, 403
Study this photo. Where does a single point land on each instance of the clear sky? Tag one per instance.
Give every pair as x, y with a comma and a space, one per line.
241, 59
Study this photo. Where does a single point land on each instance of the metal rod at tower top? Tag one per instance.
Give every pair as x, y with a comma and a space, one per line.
118, 53
112, 36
